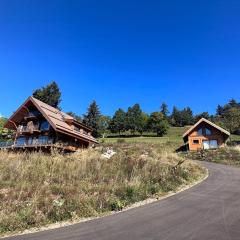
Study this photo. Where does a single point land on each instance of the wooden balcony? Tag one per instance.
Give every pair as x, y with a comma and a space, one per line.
6, 144
37, 144
28, 129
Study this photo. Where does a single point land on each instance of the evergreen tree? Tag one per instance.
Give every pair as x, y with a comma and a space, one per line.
186, 117
175, 117
92, 117
75, 116
134, 119
202, 115
164, 109
158, 123
219, 110
118, 122
233, 103
50, 94
182, 118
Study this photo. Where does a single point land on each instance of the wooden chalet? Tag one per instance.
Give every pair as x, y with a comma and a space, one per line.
40, 126
205, 135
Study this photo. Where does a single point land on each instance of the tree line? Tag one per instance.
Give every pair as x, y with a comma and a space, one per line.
136, 121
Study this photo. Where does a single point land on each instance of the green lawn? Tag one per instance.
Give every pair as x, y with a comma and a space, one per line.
235, 138
173, 138
171, 141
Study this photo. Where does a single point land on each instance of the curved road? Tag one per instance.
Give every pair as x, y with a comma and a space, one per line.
208, 211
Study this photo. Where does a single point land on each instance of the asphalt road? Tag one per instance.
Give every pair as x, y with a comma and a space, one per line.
208, 211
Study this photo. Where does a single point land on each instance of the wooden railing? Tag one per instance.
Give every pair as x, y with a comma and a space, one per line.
37, 142
6, 144
33, 142
32, 128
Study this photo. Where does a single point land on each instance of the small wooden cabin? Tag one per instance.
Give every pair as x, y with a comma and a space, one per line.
40, 126
205, 135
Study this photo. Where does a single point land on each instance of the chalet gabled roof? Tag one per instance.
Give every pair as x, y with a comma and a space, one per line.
56, 118
208, 122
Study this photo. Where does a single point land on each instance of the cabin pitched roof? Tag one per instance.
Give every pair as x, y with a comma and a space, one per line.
208, 122
56, 118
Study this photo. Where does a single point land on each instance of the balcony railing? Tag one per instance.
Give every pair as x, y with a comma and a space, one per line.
23, 142
32, 128
33, 142
6, 144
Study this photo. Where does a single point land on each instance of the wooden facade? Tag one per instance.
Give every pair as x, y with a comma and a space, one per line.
40, 126
205, 135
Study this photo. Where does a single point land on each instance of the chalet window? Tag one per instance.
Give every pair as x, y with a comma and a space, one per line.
21, 141
208, 131
43, 139
195, 141
33, 113
30, 140
44, 126
34, 141
200, 132
212, 144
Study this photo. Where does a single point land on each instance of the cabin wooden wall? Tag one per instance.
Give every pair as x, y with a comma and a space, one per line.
216, 135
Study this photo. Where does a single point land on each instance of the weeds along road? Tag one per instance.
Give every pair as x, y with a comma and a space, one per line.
210, 210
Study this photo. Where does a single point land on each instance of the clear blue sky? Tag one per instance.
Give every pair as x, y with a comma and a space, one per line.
186, 53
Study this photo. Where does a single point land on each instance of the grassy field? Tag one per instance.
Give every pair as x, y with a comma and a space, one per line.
235, 138
38, 189
174, 138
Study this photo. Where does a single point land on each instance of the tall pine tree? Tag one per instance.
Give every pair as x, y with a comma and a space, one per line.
164, 109
50, 94
92, 117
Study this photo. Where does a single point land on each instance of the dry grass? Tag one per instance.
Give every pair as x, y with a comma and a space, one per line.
236, 148
38, 189
226, 155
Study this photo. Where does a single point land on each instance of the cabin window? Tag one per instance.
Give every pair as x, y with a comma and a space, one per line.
21, 141
43, 139
34, 113
200, 132
44, 126
212, 144
208, 131
195, 141
30, 140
